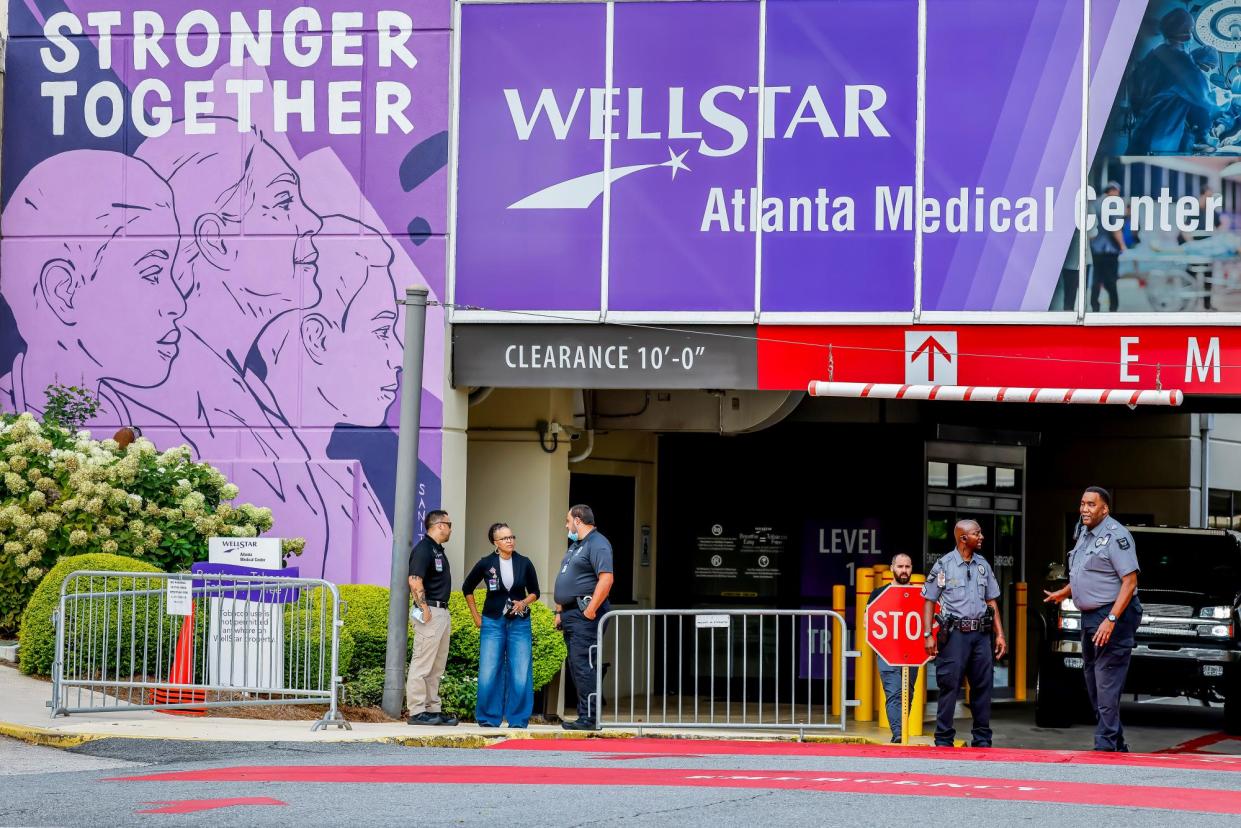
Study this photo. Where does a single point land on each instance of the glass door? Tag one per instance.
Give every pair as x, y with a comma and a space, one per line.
984, 484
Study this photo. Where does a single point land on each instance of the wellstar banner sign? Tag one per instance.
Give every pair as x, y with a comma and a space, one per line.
742, 161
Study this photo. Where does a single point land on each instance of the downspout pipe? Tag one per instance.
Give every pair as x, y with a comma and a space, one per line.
588, 419
1206, 422
585, 452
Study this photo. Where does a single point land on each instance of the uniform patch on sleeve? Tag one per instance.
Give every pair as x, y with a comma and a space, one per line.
1123, 543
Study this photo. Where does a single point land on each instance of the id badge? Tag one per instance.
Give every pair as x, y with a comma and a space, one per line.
491, 584
439, 564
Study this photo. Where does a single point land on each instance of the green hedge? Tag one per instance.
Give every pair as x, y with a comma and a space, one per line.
38, 635
303, 621
366, 619
366, 689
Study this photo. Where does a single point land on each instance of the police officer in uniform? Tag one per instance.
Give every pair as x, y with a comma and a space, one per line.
1103, 582
970, 632
581, 594
430, 584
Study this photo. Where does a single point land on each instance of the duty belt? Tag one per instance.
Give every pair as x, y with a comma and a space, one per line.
968, 624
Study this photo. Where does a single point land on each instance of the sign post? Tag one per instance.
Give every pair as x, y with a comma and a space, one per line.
894, 632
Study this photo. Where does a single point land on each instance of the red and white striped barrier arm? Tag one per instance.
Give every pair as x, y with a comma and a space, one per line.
991, 393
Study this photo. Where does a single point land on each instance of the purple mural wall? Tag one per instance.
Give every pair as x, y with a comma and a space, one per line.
210, 210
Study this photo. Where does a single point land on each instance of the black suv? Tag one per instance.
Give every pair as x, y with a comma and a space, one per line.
1189, 642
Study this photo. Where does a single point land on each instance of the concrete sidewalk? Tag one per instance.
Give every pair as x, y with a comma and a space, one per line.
24, 714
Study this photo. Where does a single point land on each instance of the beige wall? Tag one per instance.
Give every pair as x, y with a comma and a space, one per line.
510, 478
454, 473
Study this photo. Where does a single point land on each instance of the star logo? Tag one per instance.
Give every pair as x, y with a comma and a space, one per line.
676, 162
581, 192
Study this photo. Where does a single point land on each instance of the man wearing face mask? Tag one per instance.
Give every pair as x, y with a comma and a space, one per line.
581, 594
902, 571
1103, 583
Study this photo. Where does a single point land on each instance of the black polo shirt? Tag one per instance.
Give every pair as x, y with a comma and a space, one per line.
429, 563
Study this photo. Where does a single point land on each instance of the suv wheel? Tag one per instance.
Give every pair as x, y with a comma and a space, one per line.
1052, 706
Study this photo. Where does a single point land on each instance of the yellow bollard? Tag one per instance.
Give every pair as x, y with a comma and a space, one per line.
864, 669
839, 595
1019, 657
883, 578
917, 711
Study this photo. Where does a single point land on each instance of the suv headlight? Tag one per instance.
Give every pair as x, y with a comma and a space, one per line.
1067, 605
1215, 631
1217, 613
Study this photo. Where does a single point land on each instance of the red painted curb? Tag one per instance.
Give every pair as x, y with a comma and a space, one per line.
717, 747
880, 784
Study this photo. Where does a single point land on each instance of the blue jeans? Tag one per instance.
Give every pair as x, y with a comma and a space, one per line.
505, 672
891, 679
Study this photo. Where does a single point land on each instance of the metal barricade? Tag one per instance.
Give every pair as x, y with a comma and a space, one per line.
189, 641
754, 669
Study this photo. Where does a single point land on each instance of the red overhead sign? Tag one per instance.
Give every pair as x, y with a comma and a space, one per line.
1196, 360
894, 626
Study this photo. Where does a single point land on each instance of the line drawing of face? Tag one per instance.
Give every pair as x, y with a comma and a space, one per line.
248, 229
350, 337
88, 270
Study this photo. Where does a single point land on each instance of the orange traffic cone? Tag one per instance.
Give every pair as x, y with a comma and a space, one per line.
182, 672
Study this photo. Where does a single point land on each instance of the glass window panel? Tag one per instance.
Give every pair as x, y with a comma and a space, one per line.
937, 474
971, 477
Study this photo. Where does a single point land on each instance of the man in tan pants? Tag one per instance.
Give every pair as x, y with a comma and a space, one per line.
430, 584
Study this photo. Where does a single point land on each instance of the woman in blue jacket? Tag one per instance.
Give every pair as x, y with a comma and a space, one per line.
505, 665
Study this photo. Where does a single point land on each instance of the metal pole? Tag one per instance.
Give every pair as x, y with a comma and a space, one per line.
406, 489
1205, 423
904, 705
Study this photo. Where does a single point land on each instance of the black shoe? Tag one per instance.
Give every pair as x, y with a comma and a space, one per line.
895, 740
944, 744
487, 724
980, 744
580, 724
424, 718
445, 720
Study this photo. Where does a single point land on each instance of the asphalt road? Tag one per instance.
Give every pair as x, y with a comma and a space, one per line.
638, 782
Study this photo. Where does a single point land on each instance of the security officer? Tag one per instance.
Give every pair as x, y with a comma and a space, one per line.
430, 584
965, 586
1103, 582
581, 594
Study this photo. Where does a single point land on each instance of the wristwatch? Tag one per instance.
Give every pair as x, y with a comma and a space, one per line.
927, 634
1111, 617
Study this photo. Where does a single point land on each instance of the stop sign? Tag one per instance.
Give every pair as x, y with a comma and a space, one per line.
894, 626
